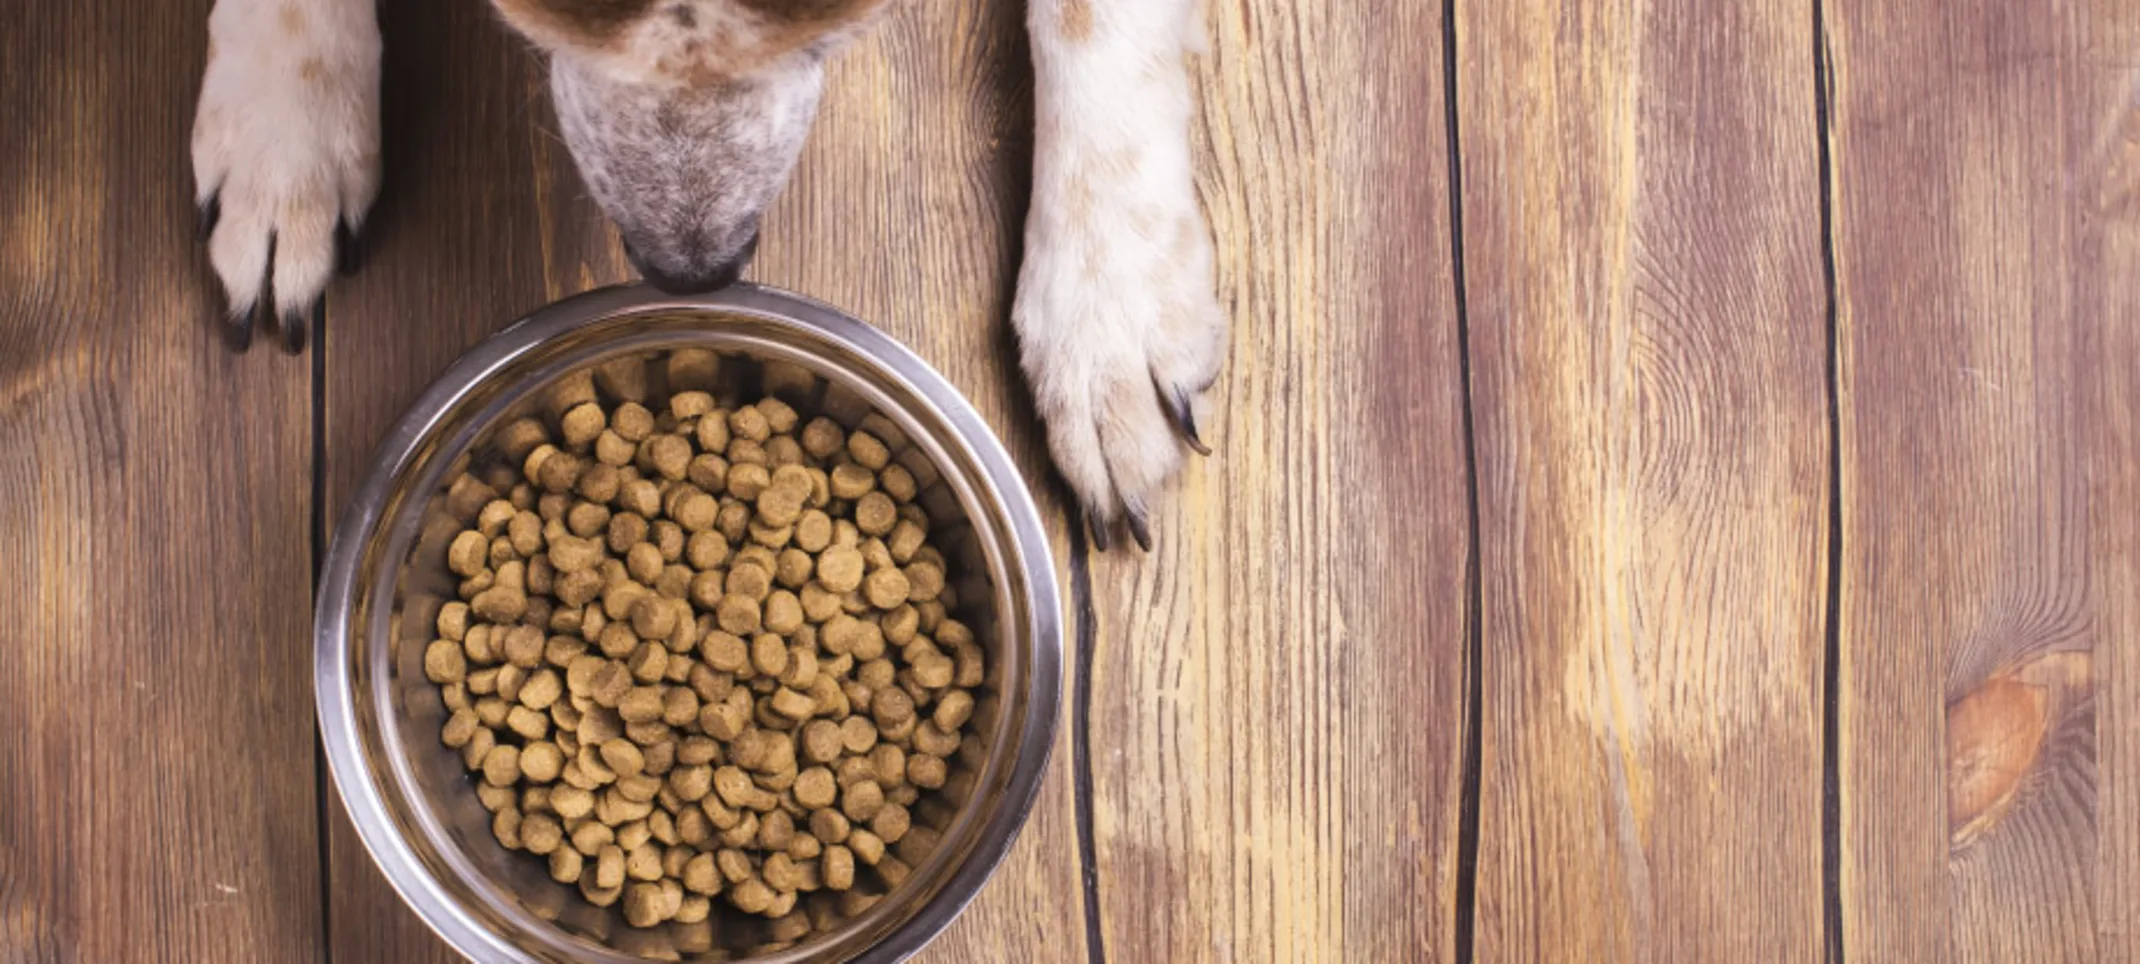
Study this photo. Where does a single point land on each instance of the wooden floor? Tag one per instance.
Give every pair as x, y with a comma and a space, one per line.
1677, 491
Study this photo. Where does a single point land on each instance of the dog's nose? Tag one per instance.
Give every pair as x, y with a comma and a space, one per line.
699, 278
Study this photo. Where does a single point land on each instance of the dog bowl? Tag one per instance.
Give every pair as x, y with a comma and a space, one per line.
385, 579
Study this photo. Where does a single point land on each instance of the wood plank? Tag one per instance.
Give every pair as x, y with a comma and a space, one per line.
1278, 700
1647, 338
904, 210
454, 251
156, 792
1987, 161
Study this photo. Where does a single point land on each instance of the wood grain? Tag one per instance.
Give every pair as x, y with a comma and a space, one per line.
454, 252
1278, 689
1647, 340
156, 753
1986, 167
905, 210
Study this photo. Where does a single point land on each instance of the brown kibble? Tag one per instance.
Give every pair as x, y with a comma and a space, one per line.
928, 738
933, 670
696, 511
527, 723
868, 450
679, 706
701, 876
925, 581
861, 800
566, 865
501, 766
609, 867
709, 472
891, 707
724, 651
478, 746
867, 846
644, 905
837, 868
632, 421
886, 589
613, 449
813, 531
641, 705
641, 497
769, 654
875, 515
823, 437
792, 704
897, 482
783, 612
840, 569
737, 614
953, 709
857, 735
891, 823
821, 741
815, 788
750, 422
542, 761
792, 568
850, 481
713, 434
445, 662
747, 479
752, 896
610, 683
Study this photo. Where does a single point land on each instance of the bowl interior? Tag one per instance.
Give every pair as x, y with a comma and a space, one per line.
424, 790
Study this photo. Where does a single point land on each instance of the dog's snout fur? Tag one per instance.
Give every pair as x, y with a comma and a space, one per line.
685, 171
686, 116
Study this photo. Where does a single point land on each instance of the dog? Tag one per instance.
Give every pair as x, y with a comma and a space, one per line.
686, 117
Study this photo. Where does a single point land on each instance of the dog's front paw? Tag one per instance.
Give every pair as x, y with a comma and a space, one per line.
285, 152
1120, 333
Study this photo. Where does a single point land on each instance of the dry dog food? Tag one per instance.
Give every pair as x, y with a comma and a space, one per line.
701, 653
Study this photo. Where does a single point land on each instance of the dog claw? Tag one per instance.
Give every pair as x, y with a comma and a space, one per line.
348, 248
238, 332
297, 326
1184, 416
211, 211
1098, 525
1140, 528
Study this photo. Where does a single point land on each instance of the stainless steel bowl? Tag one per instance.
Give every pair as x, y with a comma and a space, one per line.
385, 579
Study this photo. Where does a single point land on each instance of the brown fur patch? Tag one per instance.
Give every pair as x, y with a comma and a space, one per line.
1077, 20
592, 22
310, 70
808, 11
291, 18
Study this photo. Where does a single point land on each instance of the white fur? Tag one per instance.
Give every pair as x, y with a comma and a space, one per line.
286, 140
1115, 311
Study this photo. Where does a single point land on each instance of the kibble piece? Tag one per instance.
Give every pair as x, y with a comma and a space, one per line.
737, 614
868, 450
886, 589
851, 481
752, 896
926, 771
952, 711
875, 515
566, 865
746, 479
840, 569
837, 868
815, 788
501, 766
783, 612
527, 723
541, 761
445, 662
861, 800
642, 704
793, 705
867, 846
